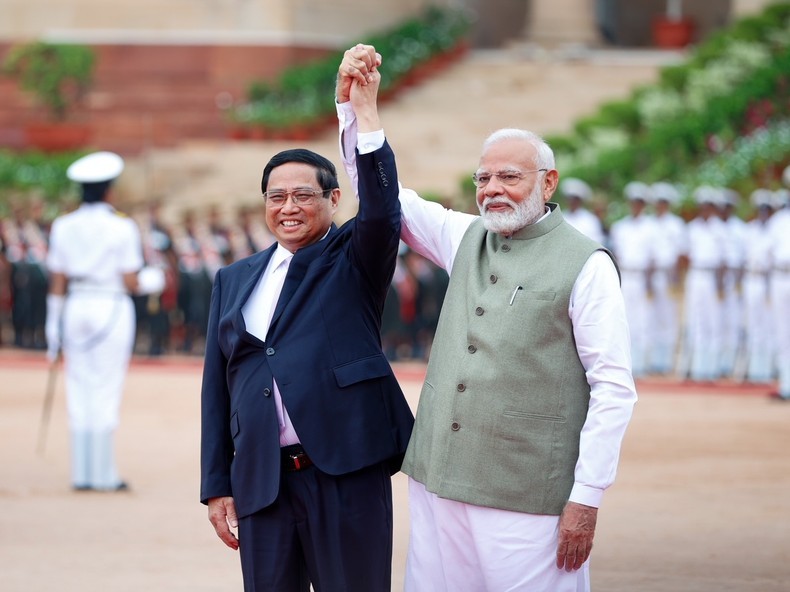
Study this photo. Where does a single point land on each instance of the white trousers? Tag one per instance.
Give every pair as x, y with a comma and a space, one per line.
703, 324
637, 310
98, 336
759, 328
780, 300
663, 324
458, 547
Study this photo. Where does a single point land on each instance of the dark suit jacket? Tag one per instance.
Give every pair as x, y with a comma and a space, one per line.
323, 348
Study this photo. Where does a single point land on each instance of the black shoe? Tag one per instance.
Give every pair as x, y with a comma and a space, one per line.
775, 396
82, 488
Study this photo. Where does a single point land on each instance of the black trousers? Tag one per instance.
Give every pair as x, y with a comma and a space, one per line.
332, 531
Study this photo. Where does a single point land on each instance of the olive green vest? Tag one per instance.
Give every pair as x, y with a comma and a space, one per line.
505, 395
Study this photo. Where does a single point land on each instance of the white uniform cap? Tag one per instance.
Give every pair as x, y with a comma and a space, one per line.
706, 194
781, 198
572, 187
663, 191
95, 168
730, 197
637, 190
762, 198
786, 176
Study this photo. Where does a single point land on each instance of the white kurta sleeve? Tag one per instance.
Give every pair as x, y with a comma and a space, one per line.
603, 343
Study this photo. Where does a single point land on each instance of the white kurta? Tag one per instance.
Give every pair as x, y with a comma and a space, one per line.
457, 546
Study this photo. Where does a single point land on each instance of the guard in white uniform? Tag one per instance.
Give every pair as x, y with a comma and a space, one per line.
758, 323
669, 249
577, 193
95, 254
732, 332
780, 290
633, 241
706, 234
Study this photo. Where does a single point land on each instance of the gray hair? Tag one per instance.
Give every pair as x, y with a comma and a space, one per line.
545, 155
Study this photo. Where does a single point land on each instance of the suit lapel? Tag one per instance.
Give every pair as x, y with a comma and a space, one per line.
255, 268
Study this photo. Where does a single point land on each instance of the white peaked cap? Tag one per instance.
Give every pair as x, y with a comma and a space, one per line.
706, 194
95, 168
575, 187
786, 176
663, 191
762, 197
637, 190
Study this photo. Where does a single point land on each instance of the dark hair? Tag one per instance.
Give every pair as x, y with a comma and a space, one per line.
94, 192
324, 170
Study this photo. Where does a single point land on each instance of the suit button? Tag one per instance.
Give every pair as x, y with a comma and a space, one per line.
471, 349
455, 426
479, 311
269, 351
267, 392
493, 278
461, 387
505, 248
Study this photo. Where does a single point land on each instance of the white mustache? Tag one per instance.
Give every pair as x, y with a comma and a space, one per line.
489, 201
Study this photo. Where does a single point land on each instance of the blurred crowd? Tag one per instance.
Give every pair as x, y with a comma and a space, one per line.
698, 288
190, 252
705, 293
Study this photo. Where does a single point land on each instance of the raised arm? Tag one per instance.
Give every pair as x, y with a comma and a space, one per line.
427, 227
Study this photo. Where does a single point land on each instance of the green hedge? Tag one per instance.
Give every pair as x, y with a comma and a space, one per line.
734, 83
303, 94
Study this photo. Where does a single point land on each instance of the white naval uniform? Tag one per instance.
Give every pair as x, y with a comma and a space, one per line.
780, 295
702, 301
508, 550
632, 242
670, 244
93, 247
758, 320
732, 303
585, 222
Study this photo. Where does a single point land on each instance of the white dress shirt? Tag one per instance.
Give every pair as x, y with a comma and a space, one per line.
258, 312
596, 311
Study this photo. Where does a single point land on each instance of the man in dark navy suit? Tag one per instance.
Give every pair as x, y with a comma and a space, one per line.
303, 421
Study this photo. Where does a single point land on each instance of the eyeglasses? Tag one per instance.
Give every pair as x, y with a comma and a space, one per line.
504, 177
299, 197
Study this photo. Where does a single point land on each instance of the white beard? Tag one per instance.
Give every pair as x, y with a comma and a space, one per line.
523, 213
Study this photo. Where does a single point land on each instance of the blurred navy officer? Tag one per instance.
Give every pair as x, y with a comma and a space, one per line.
669, 252
94, 259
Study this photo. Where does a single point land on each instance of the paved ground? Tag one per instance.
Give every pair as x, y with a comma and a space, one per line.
436, 128
700, 504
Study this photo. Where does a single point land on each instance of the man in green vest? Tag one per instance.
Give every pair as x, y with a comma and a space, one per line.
529, 387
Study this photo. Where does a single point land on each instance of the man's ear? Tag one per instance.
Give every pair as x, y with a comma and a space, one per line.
550, 181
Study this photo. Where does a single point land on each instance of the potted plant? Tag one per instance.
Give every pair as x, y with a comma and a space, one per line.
672, 29
58, 75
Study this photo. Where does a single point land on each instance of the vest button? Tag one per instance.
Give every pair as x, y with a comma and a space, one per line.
479, 311
455, 426
267, 392
493, 278
461, 387
269, 351
505, 248
471, 349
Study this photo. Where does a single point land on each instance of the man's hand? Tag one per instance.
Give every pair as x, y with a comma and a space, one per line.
222, 515
358, 64
577, 528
